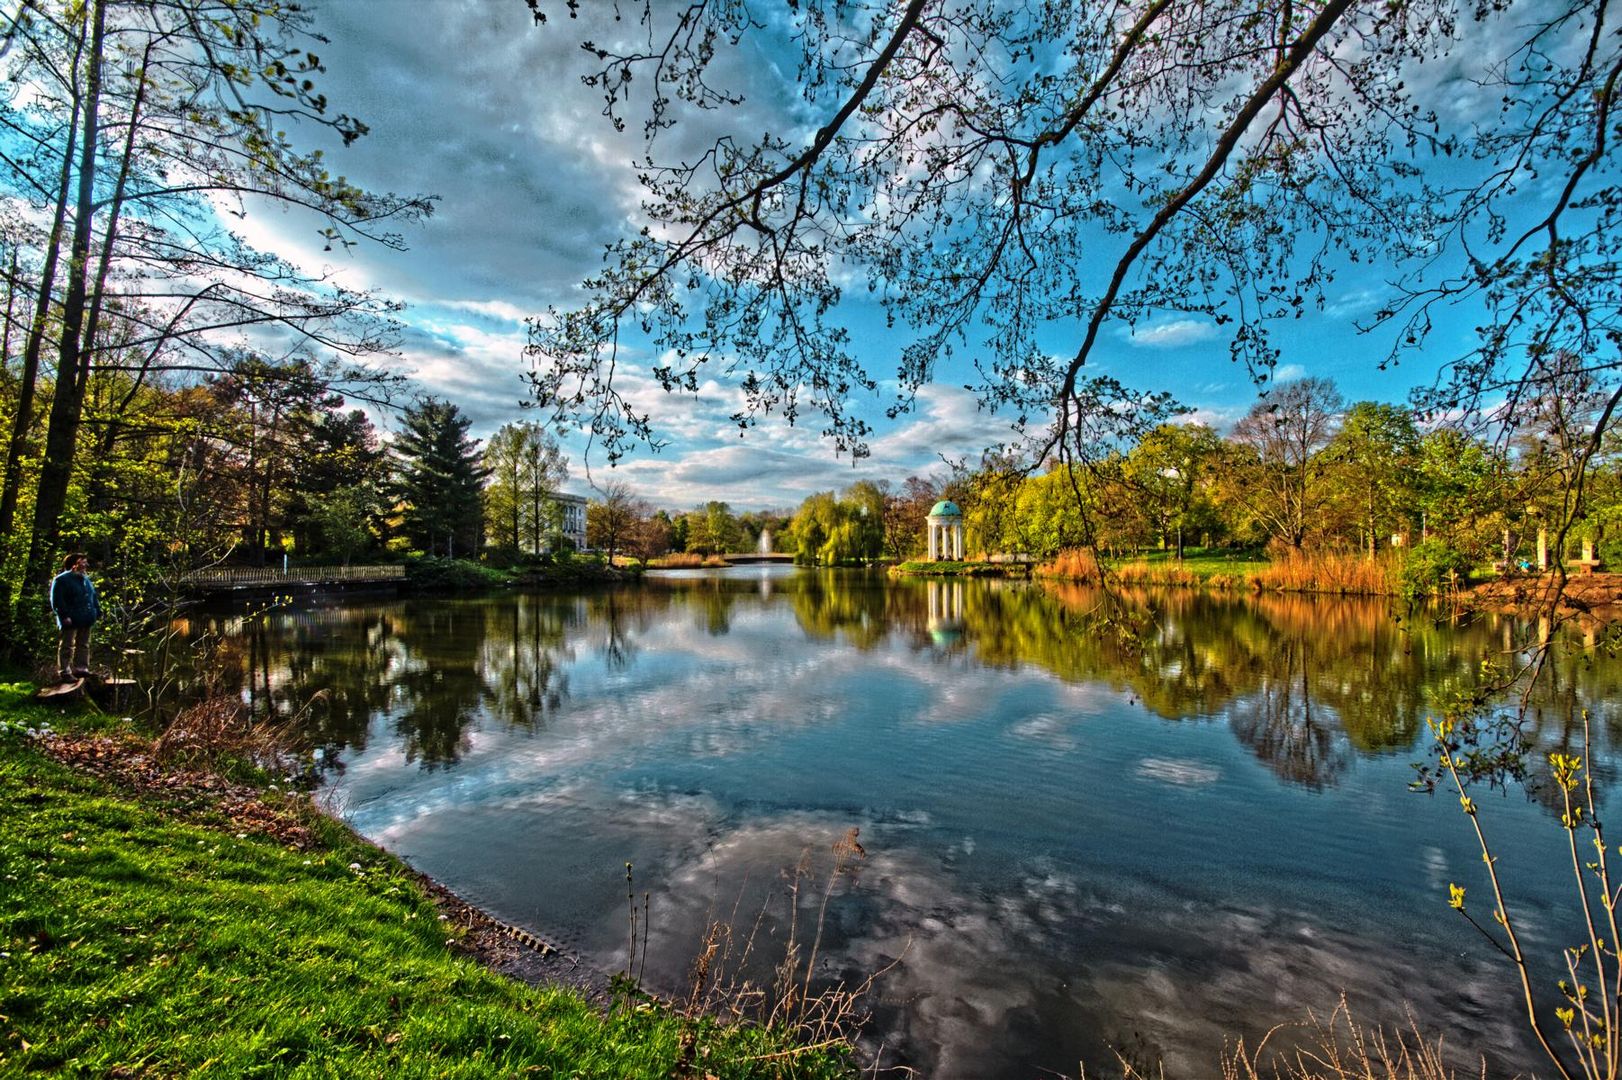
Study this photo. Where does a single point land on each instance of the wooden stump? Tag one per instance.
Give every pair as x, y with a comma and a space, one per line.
61, 693
111, 693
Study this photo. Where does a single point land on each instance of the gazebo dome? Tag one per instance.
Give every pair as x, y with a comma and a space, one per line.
945, 527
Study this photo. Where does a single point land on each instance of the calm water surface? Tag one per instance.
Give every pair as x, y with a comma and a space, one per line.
1071, 847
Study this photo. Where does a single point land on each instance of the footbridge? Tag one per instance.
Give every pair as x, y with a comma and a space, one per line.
246, 580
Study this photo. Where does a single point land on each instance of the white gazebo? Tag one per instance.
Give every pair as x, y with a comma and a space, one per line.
945, 531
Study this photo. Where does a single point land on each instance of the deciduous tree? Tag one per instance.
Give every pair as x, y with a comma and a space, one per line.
137, 128
1278, 474
1373, 459
611, 518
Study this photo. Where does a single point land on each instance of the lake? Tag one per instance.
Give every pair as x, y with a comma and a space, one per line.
1073, 841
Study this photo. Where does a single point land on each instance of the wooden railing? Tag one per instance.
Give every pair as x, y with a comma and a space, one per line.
226, 577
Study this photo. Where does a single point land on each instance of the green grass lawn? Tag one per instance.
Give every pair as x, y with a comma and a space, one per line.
135, 944
1202, 562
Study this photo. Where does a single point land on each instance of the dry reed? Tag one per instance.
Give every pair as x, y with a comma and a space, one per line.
686, 560
1142, 573
220, 729
1339, 1048
1071, 564
1345, 573
818, 1018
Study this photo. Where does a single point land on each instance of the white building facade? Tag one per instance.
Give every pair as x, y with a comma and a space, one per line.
572, 517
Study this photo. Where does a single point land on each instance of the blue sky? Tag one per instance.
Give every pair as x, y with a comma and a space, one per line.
468, 100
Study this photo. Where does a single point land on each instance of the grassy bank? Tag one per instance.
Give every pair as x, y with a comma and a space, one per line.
185, 930
464, 575
945, 568
687, 560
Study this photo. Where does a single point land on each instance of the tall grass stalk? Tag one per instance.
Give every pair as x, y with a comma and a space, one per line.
686, 560
1329, 572
1592, 988
1072, 564
1338, 1048
817, 1019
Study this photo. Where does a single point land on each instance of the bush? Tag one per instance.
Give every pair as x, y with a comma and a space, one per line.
1346, 573
435, 574
1431, 566
1071, 564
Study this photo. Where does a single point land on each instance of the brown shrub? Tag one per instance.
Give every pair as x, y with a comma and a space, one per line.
1071, 564
219, 729
1346, 573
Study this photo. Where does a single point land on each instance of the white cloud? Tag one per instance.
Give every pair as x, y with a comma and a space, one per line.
949, 421
1219, 419
1352, 303
775, 465
1172, 335
500, 310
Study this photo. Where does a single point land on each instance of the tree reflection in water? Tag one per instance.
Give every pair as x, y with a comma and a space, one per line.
1306, 684
440, 684
524, 654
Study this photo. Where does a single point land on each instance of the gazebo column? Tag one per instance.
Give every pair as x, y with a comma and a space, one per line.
957, 542
930, 529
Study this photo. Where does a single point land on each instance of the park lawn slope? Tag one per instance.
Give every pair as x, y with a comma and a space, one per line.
138, 941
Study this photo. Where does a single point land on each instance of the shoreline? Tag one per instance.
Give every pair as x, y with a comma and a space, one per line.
1595, 594
124, 765
216, 902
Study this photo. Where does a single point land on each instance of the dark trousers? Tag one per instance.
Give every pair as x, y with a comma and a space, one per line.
73, 650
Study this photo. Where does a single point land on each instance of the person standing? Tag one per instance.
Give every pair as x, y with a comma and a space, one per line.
73, 600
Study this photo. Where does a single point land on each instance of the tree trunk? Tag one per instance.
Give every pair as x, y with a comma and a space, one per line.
1371, 524
68, 401
11, 486
11, 314
535, 516
518, 508
98, 294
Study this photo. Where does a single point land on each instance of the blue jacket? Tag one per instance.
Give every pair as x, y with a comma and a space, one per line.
73, 598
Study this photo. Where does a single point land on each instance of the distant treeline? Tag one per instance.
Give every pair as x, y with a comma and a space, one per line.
1301, 472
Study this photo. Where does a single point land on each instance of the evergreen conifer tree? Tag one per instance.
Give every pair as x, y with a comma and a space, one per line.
439, 479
